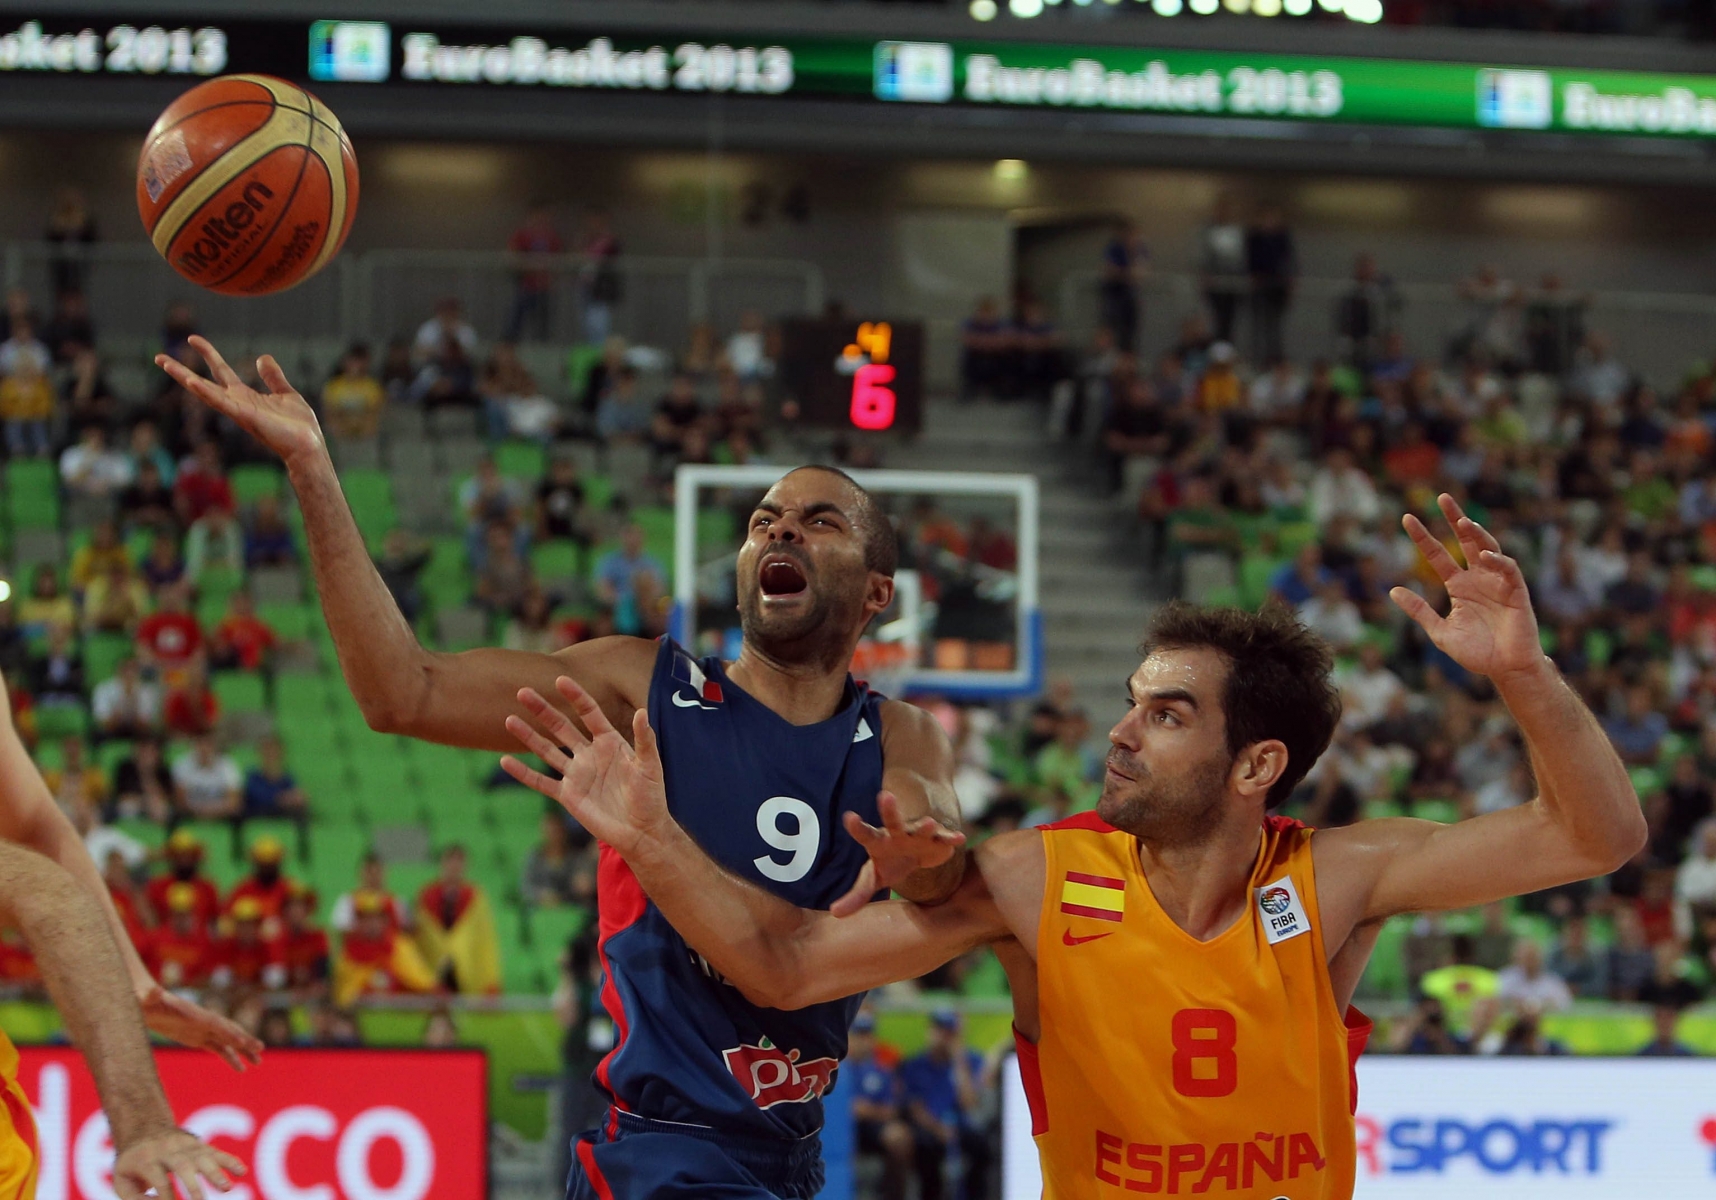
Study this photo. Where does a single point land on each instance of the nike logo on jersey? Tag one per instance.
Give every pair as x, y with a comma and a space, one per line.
1068, 938
682, 702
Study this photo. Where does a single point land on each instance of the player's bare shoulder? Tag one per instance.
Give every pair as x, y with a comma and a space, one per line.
911, 735
615, 671
1348, 861
1013, 867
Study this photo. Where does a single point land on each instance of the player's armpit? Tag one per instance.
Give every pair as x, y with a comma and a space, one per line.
1381, 868
464, 699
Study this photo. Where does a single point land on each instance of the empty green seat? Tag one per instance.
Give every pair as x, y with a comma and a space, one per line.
239, 691
291, 622
59, 720
525, 461
553, 561
254, 480
102, 654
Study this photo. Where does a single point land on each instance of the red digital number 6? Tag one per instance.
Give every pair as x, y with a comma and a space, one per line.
872, 398
1207, 1035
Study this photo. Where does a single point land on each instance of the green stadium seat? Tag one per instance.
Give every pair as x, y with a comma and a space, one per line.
49, 756
1445, 811
580, 361
405, 880
598, 491
254, 480
59, 720
555, 927
525, 461
29, 510
239, 691
717, 529
1255, 572
102, 654
555, 561
150, 833
111, 753
292, 622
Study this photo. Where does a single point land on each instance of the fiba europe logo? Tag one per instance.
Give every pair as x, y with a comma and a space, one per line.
1275, 901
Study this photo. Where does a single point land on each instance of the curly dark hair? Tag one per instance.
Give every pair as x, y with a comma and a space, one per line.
1277, 681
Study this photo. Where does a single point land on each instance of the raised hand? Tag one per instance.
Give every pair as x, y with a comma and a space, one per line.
614, 791
1490, 628
896, 849
154, 1162
177, 1019
278, 418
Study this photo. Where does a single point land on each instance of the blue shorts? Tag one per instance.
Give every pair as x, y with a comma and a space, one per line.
633, 1158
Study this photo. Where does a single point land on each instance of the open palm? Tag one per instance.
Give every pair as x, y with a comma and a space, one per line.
278, 418
1490, 627
614, 791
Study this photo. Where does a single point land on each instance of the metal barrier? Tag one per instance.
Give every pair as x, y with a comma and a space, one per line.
388, 293
1657, 334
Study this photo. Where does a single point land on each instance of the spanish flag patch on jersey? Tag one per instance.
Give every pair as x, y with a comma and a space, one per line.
1093, 896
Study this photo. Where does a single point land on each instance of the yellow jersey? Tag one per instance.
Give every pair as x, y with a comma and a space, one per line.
18, 1155
1170, 1066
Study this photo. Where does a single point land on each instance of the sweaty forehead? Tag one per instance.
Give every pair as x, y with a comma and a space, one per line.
1200, 671
808, 486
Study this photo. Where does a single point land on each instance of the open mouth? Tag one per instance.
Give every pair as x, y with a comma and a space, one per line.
782, 576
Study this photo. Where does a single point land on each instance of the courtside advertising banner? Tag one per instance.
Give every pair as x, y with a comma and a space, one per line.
1496, 1129
310, 1124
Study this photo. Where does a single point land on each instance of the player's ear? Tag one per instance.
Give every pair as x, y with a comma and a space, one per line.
881, 593
1259, 766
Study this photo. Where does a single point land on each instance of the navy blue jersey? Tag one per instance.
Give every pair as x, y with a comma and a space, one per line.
765, 799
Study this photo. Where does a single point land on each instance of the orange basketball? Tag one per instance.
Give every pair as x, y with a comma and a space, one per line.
247, 185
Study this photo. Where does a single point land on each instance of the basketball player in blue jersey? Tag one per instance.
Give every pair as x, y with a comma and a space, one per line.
764, 758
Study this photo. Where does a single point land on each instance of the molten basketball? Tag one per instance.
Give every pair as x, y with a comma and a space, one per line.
247, 185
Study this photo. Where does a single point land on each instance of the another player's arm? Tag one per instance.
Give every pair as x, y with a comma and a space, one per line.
29, 817
1585, 820
778, 955
457, 699
919, 851
87, 978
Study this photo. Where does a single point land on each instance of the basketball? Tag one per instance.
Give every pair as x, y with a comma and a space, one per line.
247, 185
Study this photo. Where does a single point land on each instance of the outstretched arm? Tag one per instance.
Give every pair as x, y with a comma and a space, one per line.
29, 817
85, 975
1585, 820
458, 699
778, 955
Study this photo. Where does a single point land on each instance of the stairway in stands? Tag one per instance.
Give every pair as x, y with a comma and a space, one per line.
1094, 590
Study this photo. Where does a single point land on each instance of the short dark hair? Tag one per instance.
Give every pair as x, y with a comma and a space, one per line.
881, 542
1277, 679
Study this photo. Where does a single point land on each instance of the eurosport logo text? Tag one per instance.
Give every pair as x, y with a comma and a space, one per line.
1500, 1145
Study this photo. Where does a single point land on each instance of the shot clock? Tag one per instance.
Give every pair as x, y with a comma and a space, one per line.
852, 374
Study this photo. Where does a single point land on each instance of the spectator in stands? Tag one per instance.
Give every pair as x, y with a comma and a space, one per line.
1427, 1032
942, 1090
621, 414
676, 417
455, 929
1508, 790
534, 244
71, 231
1366, 312
1136, 430
600, 284
170, 639
90, 468
164, 566
127, 705
268, 539
559, 872
46, 608
134, 911
1525, 1038
1695, 882
986, 343
879, 1131
748, 348
267, 884
242, 641
143, 787
191, 709
56, 675
184, 857
397, 372
26, 393
1331, 615
1629, 963
1638, 733
1689, 803
375, 957
1585, 970
532, 626
372, 878
1340, 487
77, 786
147, 503
400, 563
504, 576
1041, 353
207, 783
1597, 377
201, 485
513, 401
488, 497
560, 511
270, 790
250, 961
69, 331
353, 399
1069, 763
447, 325
1465, 990
1125, 260
182, 953
93, 558
629, 580
214, 547
116, 601
145, 447
444, 353
1526, 985
1665, 1029
1272, 263
1222, 267
303, 947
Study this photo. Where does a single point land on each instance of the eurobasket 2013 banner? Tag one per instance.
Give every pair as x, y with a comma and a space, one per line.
1493, 1129
310, 1124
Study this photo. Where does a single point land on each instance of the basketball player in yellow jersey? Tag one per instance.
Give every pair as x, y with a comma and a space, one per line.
1182, 962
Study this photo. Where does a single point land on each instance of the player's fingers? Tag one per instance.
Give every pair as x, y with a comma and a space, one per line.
864, 833
1502, 565
272, 376
230, 1055
535, 780
1474, 538
187, 1173
584, 704
1434, 552
929, 827
1416, 607
126, 1188
154, 1174
217, 365
188, 379
643, 743
888, 805
858, 895
230, 1164
538, 745
559, 726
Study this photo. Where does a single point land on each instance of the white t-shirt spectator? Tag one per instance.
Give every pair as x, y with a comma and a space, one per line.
103, 840
1548, 992
94, 472
427, 344
1348, 493
140, 706
15, 354
1337, 621
1366, 696
207, 789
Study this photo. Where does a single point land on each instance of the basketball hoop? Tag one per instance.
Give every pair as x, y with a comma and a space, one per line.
885, 666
